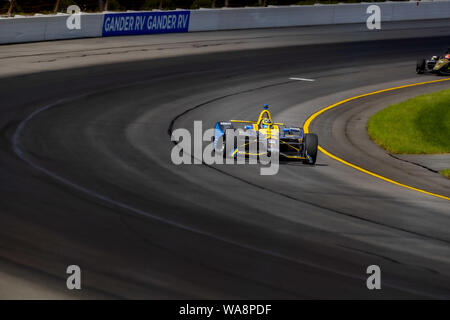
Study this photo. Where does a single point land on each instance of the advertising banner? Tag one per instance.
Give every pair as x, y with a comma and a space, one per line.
132, 23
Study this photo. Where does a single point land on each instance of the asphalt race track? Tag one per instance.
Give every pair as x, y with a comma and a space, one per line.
87, 178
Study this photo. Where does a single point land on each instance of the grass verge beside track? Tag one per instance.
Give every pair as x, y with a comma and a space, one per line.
446, 173
420, 125
415, 126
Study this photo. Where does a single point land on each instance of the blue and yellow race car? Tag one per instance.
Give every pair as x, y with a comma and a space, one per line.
265, 137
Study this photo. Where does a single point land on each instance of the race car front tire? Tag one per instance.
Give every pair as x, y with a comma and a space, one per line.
311, 142
420, 66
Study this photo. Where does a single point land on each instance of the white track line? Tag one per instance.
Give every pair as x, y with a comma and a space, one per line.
302, 79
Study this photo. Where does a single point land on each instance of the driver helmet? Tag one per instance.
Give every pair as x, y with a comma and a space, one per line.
266, 123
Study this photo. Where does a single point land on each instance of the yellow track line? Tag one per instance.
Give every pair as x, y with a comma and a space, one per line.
315, 115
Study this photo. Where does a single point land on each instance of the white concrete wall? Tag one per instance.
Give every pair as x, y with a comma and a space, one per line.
244, 18
40, 28
91, 27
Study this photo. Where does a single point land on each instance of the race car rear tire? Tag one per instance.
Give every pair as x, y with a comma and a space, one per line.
420, 66
311, 142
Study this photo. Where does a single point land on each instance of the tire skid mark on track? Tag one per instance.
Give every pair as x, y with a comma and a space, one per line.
412, 162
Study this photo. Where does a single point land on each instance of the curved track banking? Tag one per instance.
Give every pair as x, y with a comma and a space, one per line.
98, 189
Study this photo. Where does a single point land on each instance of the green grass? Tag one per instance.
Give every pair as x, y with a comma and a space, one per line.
445, 173
416, 126
419, 125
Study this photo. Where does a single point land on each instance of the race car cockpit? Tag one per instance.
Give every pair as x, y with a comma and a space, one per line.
266, 123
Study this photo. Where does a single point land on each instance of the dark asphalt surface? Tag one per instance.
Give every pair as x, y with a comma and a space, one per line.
98, 189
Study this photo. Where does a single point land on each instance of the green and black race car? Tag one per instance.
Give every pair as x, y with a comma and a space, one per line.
436, 64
